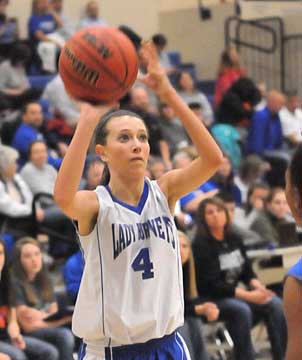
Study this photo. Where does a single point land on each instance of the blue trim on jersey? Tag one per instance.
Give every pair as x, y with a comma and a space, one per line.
82, 351
296, 270
139, 208
102, 281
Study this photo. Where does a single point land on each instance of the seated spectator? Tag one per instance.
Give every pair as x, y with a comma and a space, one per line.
265, 132
291, 120
72, 273
29, 131
156, 167
251, 170
173, 132
224, 180
15, 196
62, 106
93, 174
275, 213
42, 26
91, 16
9, 31
67, 29
194, 306
160, 42
221, 263
251, 240
256, 198
228, 72
190, 94
40, 178
15, 89
12, 342
189, 203
34, 299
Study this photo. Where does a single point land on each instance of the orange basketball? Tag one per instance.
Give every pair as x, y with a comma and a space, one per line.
98, 64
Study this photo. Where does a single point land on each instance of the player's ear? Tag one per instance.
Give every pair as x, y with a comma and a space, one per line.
100, 151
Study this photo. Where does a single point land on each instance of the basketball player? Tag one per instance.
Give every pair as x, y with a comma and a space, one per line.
130, 301
292, 295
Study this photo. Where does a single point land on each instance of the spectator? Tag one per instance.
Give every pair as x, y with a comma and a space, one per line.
160, 42
29, 131
265, 132
224, 180
228, 72
91, 17
9, 30
291, 120
93, 174
194, 306
221, 263
251, 240
15, 89
256, 198
67, 29
189, 203
40, 178
173, 132
42, 26
72, 273
12, 343
60, 102
251, 170
190, 94
15, 196
267, 223
34, 299
156, 167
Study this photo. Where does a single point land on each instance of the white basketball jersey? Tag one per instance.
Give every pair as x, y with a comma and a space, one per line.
131, 290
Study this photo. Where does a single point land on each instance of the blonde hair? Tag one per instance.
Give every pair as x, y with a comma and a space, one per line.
190, 290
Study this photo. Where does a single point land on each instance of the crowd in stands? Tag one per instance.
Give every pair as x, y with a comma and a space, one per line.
242, 207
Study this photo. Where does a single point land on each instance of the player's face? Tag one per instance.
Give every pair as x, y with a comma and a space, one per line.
215, 216
31, 259
127, 148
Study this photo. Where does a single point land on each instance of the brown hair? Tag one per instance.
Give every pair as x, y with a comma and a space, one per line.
42, 278
273, 192
189, 272
200, 218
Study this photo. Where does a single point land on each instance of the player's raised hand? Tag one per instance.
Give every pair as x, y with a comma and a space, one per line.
156, 77
92, 114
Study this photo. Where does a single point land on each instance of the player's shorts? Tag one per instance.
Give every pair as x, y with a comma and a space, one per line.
166, 348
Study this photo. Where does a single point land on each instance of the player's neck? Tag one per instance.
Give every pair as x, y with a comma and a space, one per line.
127, 190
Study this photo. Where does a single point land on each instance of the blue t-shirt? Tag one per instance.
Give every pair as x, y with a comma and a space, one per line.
265, 132
45, 23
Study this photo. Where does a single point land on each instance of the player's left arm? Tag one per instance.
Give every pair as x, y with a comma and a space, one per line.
179, 182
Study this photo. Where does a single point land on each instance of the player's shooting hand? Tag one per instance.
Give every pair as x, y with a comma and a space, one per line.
156, 78
92, 114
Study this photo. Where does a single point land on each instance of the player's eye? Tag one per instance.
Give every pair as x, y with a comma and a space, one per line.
143, 137
124, 137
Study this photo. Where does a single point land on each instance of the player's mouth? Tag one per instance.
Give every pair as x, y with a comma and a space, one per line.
137, 159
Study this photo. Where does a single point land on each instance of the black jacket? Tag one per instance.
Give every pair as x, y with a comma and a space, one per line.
221, 265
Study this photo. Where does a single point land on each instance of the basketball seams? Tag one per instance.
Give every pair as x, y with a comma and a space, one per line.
124, 62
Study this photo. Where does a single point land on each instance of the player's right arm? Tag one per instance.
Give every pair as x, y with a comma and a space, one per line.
82, 206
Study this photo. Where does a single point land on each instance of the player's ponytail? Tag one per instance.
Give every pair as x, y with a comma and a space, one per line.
101, 133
